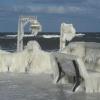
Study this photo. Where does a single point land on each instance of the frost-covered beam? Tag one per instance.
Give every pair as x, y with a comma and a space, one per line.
35, 27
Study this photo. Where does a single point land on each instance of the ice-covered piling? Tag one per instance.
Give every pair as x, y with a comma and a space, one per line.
67, 32
86, 55
91, 82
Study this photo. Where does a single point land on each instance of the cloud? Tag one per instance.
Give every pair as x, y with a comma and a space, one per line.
82, 12
94, 2
44, 1
86, 7
39, 9
49, 9
92, 7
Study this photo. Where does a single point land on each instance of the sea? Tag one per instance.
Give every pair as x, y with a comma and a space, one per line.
48, 40
24, 86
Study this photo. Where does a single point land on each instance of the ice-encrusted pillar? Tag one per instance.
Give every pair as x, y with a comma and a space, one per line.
35, 27
91, 80
67, 33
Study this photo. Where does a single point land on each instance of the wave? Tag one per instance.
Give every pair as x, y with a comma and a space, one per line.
80, 35
50, 36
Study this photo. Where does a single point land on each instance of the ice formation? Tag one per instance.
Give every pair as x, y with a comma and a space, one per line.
84, 55
41, 61
67, 33
4, 61
75, 48
66, 68
14, 62
90, 56
91, 82
32, 60
50, 36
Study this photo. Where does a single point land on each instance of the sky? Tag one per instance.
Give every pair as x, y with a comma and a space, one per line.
83, 14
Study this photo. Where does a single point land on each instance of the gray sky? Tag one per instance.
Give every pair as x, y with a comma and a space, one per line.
83, 14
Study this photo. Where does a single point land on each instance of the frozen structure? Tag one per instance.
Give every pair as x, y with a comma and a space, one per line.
44, 62
75, 48
91, 81
4, 61
41, 62
87, 60
67, 70
67, 32
35, 27
90, 56
31, 60
14, 62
